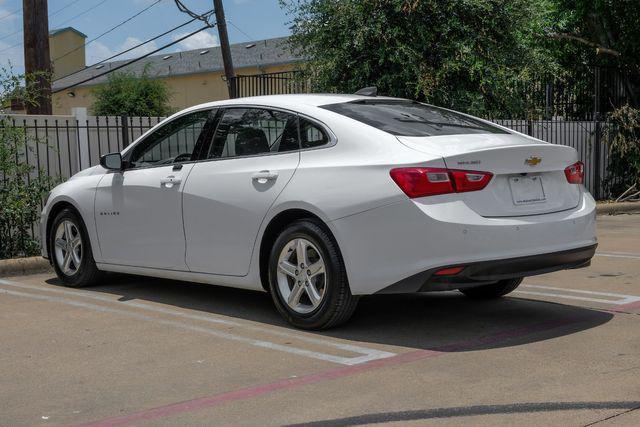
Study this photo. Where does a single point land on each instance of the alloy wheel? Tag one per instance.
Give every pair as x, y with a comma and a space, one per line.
301, 275
68, 247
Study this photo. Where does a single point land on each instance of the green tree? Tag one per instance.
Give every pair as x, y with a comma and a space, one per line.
601, 32
22, 187
477, 56
127, 93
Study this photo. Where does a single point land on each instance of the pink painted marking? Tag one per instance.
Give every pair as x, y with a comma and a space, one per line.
249, 392
628, 307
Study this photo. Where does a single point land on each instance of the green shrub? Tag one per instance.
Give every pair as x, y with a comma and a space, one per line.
20, 197
126, 93
22, 187
622, 135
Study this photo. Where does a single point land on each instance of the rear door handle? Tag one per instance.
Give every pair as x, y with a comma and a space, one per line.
264, 176
170, 181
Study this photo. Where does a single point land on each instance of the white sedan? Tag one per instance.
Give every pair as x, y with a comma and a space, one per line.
319, 199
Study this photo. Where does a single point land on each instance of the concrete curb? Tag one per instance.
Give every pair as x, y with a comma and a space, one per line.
617, 208
22, 266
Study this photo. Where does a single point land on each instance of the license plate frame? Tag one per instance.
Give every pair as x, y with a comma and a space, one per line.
527, 190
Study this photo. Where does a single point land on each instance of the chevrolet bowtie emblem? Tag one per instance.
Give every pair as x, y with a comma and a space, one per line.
532, 161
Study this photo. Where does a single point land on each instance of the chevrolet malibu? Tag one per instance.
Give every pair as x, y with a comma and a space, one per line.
320, 199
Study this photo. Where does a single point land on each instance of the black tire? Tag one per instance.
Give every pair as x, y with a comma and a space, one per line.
494, 290
86, 273
337, 304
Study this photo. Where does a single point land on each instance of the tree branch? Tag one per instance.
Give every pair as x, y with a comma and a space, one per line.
599, 49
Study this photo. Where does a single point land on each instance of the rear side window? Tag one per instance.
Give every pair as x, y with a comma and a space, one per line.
253, 131
311, 135
409, 118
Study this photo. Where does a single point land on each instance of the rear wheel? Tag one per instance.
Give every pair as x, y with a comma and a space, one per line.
494, 290
307, 278
71, 250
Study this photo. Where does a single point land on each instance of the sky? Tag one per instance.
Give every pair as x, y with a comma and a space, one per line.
247, 20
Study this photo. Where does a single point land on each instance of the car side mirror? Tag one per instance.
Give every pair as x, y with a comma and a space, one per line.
111, 161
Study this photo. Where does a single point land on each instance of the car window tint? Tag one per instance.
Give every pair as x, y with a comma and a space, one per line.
174, 142
408, 118
311, 135
253, 131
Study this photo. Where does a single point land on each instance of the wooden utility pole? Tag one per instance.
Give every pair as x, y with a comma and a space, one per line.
224, 47
37, 61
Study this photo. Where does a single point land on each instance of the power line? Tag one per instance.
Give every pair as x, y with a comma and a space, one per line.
133, 60
11, 47
10, 14
204, 17
109, 30
52, 14
82, 13
240, 30
132, 48
62, 23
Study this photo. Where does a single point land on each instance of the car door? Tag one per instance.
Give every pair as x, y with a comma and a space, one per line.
138, 211
251, 158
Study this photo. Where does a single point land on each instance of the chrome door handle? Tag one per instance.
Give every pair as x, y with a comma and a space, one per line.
170, 181
264, 176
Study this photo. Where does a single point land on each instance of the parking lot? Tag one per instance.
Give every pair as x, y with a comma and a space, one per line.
564, 349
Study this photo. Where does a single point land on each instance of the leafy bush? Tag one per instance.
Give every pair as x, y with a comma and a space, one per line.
22, 187
623, 137
21, 192
126, 93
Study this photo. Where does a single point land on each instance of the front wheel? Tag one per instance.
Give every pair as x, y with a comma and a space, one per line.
71, 250
494, 290
307, 278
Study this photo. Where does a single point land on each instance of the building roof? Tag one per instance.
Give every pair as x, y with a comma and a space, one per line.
205, 60
57, 31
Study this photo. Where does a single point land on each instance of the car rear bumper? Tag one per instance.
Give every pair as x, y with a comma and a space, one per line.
384, 246
480, 273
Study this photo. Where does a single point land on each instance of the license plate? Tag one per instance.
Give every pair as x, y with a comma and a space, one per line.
527, 190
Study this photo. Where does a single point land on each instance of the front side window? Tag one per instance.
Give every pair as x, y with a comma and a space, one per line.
175, 142
410, 118
253, 131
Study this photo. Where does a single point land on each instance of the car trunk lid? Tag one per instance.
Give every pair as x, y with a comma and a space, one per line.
528, 179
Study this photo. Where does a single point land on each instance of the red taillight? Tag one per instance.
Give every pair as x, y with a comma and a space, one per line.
575, 173
421, 182
450, 271
470, 180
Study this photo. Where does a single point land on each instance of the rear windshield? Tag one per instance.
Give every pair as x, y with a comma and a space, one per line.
409, 118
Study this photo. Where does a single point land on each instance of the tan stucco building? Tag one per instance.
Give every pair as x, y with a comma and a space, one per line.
66, 47
193, 76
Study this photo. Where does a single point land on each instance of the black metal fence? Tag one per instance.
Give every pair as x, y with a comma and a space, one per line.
62, 145
271, 84
583, 135
585, 93
569, 110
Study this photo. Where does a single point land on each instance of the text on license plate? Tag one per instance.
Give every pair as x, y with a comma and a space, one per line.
527, 189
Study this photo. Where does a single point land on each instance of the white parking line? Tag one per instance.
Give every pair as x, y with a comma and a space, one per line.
620, 299
364, 354
618, 255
